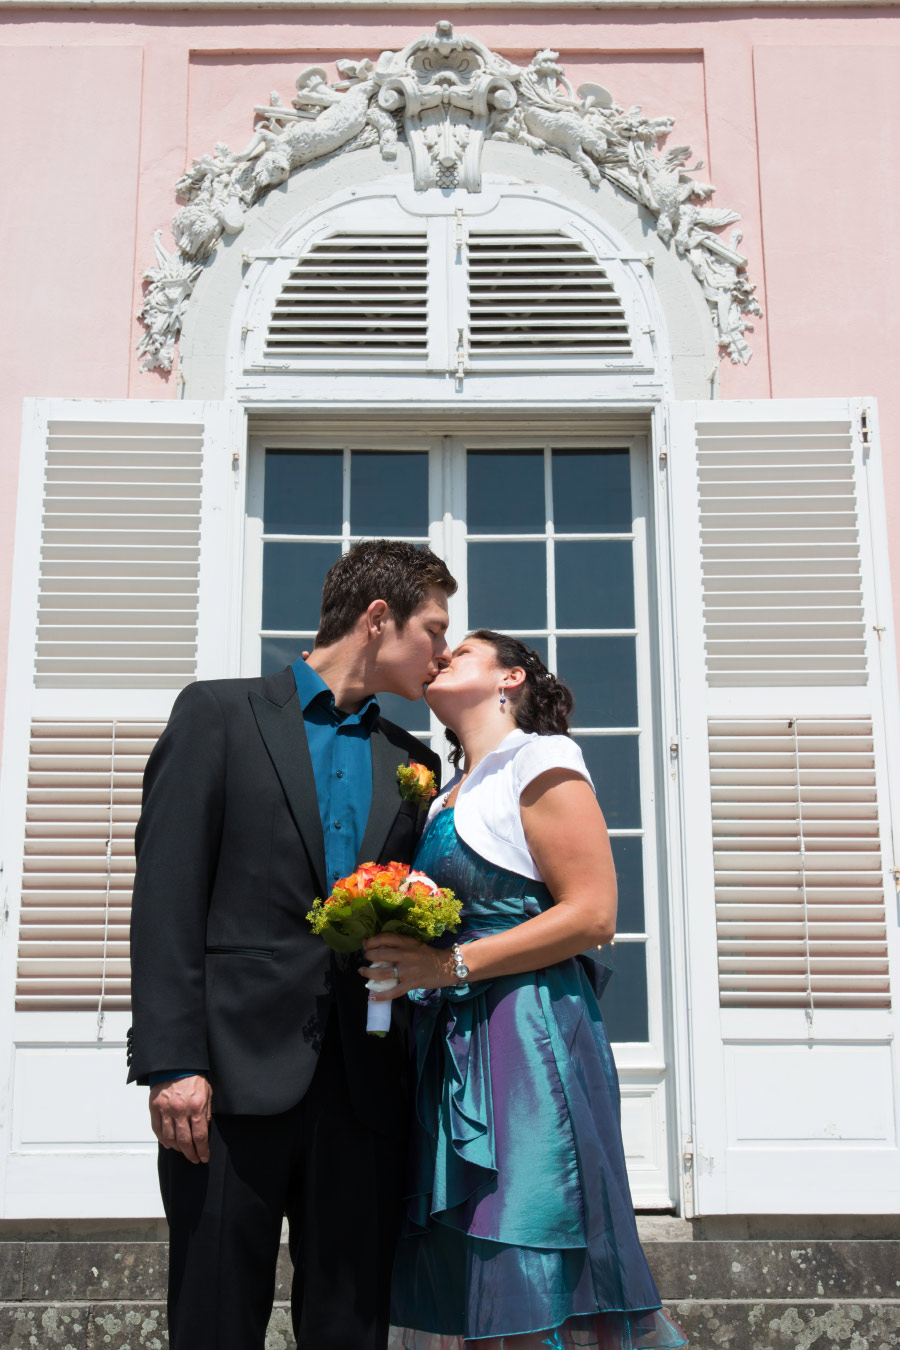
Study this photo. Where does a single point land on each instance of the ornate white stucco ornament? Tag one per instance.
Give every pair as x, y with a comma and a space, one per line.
451, 94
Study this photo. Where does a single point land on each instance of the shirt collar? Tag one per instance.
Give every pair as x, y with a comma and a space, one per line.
311, 688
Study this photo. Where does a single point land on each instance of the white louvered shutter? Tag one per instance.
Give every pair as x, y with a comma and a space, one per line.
354, 296
121, 596
787, 702
541, 295
383, 287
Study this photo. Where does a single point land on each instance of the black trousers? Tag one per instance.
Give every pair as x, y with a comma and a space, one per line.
339, 1185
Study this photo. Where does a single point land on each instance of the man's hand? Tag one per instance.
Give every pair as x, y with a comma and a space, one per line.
180, 1113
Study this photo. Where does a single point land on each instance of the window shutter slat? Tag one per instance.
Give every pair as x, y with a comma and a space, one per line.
354, 295
121, 524
538, 296
83, 799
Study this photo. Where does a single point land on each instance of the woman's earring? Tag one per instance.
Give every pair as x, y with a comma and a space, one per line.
502, 700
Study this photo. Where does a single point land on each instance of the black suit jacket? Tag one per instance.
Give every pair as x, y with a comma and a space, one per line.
226, 976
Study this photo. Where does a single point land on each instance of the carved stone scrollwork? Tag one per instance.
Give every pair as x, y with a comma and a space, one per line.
451, 93
447, 88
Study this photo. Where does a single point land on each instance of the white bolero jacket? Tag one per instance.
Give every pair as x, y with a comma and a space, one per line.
487, 815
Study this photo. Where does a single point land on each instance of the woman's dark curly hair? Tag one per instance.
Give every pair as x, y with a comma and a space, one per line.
542, 704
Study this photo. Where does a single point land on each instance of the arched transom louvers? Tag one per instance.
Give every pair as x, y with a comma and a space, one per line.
539, 297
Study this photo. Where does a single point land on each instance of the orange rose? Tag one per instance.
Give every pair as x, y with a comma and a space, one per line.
417, 883
417, 783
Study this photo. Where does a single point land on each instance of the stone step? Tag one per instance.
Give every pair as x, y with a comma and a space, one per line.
739, 1324
778, 1324
728, 1295
862, 1269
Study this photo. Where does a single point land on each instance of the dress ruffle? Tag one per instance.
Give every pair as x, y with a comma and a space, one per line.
602, 1331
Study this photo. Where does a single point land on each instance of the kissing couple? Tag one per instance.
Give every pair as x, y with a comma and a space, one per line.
462, 1179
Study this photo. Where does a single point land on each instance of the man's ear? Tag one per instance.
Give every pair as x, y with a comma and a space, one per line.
377, 616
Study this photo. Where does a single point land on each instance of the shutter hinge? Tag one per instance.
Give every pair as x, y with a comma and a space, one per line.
673, 747
864, 431
460, 230
879, 629
235, 462
461, 355
663, 458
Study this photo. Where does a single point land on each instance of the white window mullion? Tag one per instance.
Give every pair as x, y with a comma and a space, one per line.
551, 560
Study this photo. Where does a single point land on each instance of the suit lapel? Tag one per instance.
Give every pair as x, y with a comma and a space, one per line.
284, 732
386, 797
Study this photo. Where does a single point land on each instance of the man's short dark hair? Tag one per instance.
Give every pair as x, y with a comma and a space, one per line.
378, 569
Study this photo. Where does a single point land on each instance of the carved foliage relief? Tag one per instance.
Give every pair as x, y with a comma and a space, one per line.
445, 95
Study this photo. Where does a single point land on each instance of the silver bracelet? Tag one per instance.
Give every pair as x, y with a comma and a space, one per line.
460, 969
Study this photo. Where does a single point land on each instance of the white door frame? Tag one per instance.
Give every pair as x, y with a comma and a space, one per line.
645, 1069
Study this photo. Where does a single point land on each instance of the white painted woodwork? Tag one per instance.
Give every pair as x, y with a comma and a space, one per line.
534, 295
800, 909
782, 781
125, 509
354, 295
120, 554
782, 582
404, 287
83, 802
768, 825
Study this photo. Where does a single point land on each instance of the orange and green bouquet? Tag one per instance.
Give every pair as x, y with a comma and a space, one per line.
383, 898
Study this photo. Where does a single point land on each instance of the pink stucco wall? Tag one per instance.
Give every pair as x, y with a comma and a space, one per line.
796, 114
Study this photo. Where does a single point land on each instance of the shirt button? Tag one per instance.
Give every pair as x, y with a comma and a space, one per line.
337, 824
339, 774
336, 876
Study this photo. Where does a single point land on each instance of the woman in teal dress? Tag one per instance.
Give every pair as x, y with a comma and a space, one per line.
519, 1230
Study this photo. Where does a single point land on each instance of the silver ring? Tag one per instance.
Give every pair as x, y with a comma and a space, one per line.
396, 973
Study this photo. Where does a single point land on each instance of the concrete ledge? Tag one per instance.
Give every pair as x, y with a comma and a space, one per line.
776, 1270
712, 1325
90, 1272
744, 1295
112, 1326
775, 1325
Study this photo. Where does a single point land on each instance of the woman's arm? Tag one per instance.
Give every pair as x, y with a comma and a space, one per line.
567, 836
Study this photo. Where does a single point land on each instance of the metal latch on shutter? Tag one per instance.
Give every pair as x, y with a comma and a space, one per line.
687, 1171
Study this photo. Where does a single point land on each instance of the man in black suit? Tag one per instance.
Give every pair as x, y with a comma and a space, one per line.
267, 1096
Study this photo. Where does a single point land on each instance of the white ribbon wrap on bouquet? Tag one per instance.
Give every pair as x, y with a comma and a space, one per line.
378, 1019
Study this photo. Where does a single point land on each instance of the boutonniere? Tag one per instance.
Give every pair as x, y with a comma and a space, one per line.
416, 783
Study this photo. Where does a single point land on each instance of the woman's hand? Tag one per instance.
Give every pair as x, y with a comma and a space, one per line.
418, 966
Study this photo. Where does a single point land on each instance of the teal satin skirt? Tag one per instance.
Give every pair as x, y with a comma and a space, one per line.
519, 1229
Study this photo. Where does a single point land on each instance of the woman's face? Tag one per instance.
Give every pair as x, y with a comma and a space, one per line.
473, 677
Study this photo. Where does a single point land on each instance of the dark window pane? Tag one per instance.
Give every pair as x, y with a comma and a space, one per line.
388, 494
303, 493
613, 764
414, 717
595, 584
602, 674
591, 491
505, 492
628, 856
280, 652
293, 575
624, 1002
507, 586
